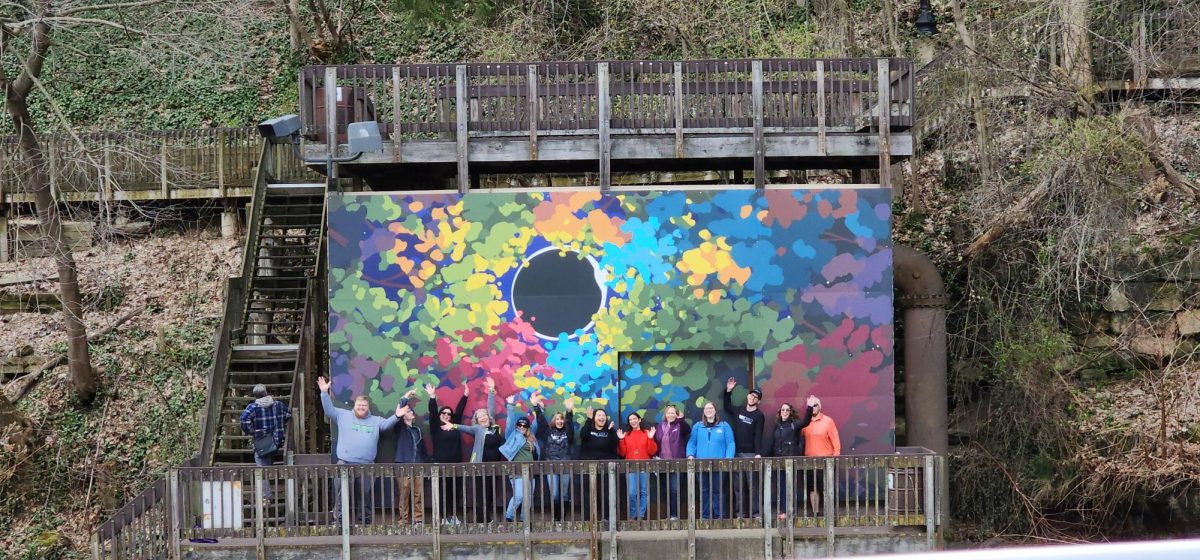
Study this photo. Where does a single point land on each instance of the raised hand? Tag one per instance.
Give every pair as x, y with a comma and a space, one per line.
466, 388
812, 401
429, 390
323, 384
570, 404
511, 400
651, 432
402, 410
410, 394
537, 398
730, 384
490, 384
588, 411
620, 434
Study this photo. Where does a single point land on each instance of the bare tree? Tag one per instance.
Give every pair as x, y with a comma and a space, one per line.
28, 31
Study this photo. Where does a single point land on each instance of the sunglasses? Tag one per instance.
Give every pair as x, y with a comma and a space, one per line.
444, 413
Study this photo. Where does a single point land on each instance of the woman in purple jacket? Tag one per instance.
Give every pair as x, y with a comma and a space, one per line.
672, 435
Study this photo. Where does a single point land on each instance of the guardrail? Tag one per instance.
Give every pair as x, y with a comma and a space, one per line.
296, 505
418, 101
154, 165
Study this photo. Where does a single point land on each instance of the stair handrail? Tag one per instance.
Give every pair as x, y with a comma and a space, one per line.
262, 177
309, 321
150, 541
218, 373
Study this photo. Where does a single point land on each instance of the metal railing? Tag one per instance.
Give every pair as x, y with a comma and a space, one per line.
418, 101
151, 165
784, 498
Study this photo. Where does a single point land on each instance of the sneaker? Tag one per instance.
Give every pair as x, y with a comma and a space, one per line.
454, 521
674, 518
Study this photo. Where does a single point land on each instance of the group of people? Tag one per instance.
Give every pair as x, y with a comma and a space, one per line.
530, 437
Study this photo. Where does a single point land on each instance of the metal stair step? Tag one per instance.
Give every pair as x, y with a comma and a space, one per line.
296, 189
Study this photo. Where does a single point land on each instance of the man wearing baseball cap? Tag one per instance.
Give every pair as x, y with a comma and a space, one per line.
747, 423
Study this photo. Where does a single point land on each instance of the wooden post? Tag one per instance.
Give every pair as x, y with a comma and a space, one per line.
612, 510
827, 502
331, 100
5, 255
51, 170
679, 110
162, 169
259, 530
789, 469
396, 114
107, 182
526, 513
173, 502
767, 514
1141, 52
885, 124
760, 160
691, 519
344, 477
435, 489
534, 109
930, 489
822, 146
221, 163
460, 107
603, 110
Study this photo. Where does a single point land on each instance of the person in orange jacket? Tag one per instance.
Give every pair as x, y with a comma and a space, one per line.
637, 444
820, 440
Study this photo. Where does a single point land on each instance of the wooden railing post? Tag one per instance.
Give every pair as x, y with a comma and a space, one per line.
828, 499
603, 112
679, 110
931, 488
173, 504
822, 147
789, 470
162, 169
885, 124
461, 128
612, 510
344, 481
526, 512
51, 167
691, 520
220, 140
435, 524
760, 146
396, 157
259, 529
107, 181
767, 515
331, 100
534, 109
4, 242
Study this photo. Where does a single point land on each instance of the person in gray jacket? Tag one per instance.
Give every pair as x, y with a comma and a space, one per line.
357, 444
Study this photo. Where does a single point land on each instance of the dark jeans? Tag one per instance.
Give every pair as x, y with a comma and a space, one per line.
672, 487
746, 486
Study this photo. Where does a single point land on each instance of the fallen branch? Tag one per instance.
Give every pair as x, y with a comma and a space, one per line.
1139, 118
30, 379
1002, 224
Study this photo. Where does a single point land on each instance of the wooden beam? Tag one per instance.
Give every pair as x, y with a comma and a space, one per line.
679, 110
162, 169
822, 148
5, 252
460, 137
885, 124
396, 113
534, 109
603, 110
107, 180
331, 101
220, 140
760, 156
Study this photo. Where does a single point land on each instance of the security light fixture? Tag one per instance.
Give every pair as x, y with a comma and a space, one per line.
362, 137
926, 24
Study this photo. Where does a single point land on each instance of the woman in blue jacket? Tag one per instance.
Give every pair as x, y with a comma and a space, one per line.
711, 438
520, 445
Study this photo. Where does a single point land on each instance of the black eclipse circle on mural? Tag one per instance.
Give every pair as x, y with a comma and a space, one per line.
557, 292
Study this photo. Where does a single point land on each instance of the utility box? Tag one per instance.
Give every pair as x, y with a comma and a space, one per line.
352, 105
905, 488
222, 504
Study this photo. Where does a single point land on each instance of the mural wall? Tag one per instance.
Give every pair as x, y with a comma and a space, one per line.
546, 291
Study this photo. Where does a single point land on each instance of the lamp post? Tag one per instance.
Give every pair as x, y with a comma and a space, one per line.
361, 137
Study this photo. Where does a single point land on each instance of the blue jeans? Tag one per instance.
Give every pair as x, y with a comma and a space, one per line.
518, 486
639, 494
712, 496
560, 487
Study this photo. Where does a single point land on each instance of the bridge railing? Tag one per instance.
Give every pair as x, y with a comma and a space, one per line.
152, 165
784, 498
427, 101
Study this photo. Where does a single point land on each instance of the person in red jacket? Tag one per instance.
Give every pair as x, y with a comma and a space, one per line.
637, 444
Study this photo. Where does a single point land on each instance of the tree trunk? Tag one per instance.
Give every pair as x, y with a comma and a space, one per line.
975, 96
1077, 53
79, 365
296, 31
889, 19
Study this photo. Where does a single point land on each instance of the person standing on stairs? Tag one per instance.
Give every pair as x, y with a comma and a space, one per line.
265, 420
357, 444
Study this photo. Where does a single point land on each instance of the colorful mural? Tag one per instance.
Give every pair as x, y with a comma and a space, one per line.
545, 291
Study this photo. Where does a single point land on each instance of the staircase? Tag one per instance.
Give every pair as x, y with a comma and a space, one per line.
281, 266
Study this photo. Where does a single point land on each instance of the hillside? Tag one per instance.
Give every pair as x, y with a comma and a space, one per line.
1064, 219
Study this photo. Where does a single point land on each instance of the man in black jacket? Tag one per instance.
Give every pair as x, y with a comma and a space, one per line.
410, 448
747, 423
